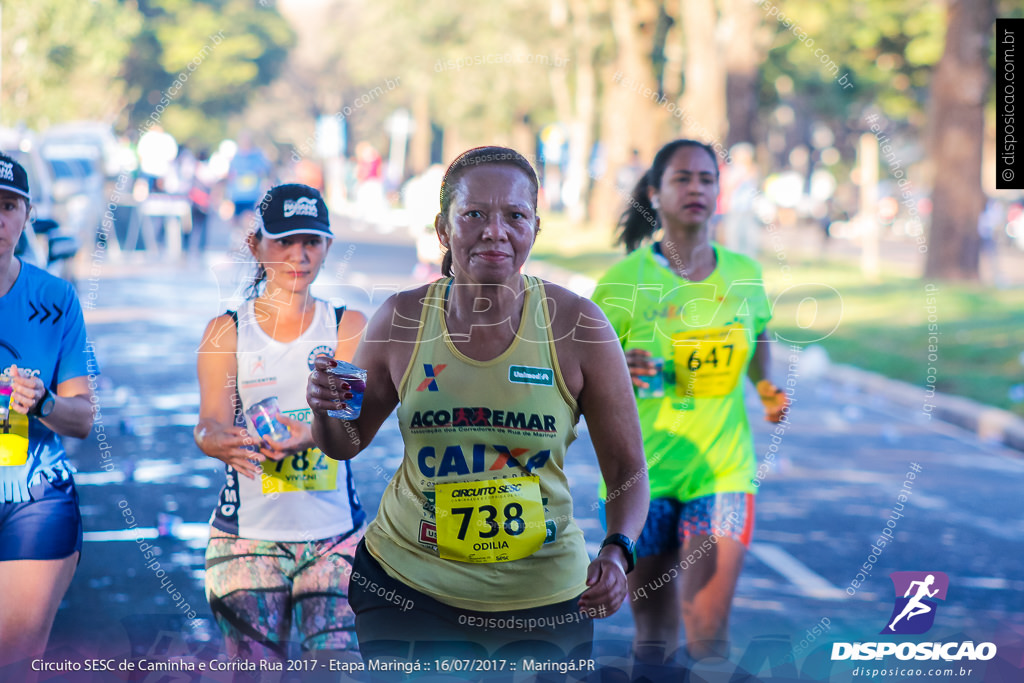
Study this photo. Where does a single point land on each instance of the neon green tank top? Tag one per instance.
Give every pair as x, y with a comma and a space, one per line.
479, 513
697, 438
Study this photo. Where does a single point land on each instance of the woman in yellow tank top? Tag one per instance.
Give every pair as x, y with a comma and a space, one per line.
474, 549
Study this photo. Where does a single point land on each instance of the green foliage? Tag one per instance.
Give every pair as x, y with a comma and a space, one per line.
477, 98
981, 328
194, 64
190, 64
61, 60
887, 48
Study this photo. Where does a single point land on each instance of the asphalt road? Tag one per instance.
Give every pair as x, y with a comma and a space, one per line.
831, 480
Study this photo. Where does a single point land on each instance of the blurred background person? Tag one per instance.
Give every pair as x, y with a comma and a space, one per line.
200, 185
247, 176
157, 150
369, 178
739, 225
419, 199
309, 172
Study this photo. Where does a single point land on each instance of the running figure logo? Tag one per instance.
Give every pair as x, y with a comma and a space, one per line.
914, 613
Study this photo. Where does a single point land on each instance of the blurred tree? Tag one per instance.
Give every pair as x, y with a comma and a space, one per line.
881, 62
315, 80
885, 49
633, 113
703, 97
575, 19
197, 62
480, 72
960, 89
688, 69
60, 60
746, 43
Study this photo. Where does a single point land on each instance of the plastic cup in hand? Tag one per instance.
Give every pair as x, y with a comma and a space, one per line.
655, 383
6, 389
263, 416
355, 377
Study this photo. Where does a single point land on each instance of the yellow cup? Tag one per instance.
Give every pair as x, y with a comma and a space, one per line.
13, 450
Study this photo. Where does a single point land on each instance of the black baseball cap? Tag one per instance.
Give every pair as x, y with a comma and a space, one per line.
294, 210
13, 177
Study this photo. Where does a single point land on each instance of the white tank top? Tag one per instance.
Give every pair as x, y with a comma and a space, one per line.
306, 496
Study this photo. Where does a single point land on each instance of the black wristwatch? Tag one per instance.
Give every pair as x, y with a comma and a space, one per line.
44, 407
628, 546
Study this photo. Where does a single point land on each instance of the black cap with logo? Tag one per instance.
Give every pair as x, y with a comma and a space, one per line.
293, 210
13, 177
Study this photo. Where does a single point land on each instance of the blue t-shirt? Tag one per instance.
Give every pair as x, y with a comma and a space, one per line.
41, 330
248, 169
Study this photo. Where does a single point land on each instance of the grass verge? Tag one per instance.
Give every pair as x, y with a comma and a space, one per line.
966, 339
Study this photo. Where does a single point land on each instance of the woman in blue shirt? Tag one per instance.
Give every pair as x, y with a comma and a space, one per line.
46, 368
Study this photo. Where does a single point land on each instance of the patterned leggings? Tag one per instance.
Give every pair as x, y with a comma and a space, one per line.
254, 587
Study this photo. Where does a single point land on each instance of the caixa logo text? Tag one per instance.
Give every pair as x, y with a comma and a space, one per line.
949, 652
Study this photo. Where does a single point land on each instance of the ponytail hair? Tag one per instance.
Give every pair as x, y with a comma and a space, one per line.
470, 159
640, 219
259, 279
446, 263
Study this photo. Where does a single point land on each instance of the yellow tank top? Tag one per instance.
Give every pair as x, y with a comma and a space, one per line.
479, 514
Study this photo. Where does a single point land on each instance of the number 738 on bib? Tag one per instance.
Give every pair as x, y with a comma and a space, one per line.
489, 521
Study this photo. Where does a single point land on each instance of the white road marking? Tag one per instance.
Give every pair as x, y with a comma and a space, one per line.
989, 582
796, 572
183, 531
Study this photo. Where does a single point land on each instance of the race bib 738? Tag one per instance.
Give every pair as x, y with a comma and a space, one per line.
489, 521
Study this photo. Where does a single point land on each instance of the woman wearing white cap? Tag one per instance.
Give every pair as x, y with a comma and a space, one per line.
288, 519
45, 365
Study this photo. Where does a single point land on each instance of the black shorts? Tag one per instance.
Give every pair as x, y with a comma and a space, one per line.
48, 527
394, 620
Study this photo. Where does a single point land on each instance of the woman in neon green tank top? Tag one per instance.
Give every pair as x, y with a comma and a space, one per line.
691, 318
490, 370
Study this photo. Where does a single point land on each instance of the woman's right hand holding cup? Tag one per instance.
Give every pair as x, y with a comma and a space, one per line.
325, 390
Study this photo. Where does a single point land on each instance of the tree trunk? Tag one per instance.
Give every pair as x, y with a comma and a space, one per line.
746, 50
703, 100
959, 89
581, 129
626, 111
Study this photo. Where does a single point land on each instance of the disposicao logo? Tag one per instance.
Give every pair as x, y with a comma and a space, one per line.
914, 612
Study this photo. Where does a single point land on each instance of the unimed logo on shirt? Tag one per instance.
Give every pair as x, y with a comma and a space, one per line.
524, 374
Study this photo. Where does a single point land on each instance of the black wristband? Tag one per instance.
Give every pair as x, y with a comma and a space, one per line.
628, 546
43, 407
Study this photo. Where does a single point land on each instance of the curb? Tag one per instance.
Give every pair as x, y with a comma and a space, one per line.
987, 423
